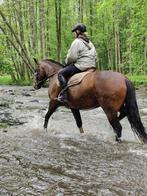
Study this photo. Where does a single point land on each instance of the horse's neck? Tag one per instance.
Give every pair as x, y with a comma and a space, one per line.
51, 71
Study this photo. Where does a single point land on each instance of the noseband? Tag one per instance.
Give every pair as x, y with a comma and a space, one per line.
46, 78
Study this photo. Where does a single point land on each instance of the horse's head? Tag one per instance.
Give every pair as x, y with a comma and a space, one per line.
45, 69
40, 74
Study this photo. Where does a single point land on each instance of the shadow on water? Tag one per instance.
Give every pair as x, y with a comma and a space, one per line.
61, 161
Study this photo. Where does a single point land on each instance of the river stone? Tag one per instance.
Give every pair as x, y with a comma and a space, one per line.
35, 101
144, 111
26, 94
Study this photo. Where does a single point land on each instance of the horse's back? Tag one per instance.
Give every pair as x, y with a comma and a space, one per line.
103, 80
109, 80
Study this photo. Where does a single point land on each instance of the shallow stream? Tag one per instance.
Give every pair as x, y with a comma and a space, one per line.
62, 161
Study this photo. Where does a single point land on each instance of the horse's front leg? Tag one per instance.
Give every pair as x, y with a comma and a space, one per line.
53, 105
77, 116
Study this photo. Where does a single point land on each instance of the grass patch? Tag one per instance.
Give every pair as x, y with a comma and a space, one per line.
6, 80
138, 80
22, 83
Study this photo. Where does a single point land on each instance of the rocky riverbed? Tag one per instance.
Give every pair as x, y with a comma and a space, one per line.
62, 161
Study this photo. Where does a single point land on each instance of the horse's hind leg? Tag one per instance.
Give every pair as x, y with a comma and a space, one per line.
77, 116
117, 129
53, 105
123, 113
114, 121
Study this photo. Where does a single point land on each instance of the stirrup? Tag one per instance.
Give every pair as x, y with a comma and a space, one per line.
62, 99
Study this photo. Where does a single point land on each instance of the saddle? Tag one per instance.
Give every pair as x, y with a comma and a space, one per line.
77, 78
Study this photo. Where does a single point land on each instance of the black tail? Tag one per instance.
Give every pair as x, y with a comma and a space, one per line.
133, 112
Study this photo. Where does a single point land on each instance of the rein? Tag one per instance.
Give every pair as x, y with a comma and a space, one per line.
46, 78
51, 75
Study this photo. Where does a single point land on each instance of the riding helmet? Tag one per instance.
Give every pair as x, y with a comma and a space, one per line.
81, 27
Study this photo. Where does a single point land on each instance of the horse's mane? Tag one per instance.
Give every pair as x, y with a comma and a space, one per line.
52, 61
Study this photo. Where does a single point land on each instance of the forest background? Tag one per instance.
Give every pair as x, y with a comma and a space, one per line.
42, 29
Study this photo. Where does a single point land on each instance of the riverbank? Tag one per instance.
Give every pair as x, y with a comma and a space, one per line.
7, 80
138, 80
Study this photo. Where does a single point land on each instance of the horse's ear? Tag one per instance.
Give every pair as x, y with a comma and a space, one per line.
36, 61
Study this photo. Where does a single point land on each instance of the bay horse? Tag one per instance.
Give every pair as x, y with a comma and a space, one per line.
111, 91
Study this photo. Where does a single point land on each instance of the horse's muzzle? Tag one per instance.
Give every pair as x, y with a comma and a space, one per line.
36, 85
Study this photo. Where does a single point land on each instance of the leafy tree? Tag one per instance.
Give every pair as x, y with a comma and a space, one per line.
42, 29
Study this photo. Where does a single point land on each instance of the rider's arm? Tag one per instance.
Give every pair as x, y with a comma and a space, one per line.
73, 53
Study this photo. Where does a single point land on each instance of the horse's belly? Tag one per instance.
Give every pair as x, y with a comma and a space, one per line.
83, 102
83, 96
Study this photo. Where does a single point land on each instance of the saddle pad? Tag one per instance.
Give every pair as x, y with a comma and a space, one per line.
77, 78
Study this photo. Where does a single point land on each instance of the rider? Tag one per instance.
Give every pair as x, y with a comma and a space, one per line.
81, 56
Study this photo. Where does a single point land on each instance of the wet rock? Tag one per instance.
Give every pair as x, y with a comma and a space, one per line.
3, 125
6, 121
5, 131
4, 104
19, 107
15, 122
35, 101
12, 93
26, 94
32, 89
20, 102
143, 111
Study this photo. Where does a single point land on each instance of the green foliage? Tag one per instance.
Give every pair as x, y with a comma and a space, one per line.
138, 80
6, 80
5, 65
117, 28
23, 82
127, 19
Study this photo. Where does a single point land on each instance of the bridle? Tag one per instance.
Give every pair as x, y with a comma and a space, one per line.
46, 78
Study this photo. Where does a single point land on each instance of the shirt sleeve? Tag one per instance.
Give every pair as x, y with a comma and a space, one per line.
73, 52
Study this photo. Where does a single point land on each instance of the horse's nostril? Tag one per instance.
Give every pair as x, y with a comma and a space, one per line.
35, 86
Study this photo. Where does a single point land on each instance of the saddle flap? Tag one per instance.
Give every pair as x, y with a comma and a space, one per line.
77, 78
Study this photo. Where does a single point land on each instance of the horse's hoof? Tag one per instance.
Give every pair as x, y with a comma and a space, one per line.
118, 140
45, 128
81, 130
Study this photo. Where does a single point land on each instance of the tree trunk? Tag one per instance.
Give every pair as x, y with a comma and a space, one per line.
80, 14
145, 48
16, 37
42, 27
47, 29
91, 17
118, 52
58, 28
117, 37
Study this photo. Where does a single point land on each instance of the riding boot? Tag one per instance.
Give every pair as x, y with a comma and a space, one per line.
63, 95
62, 81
